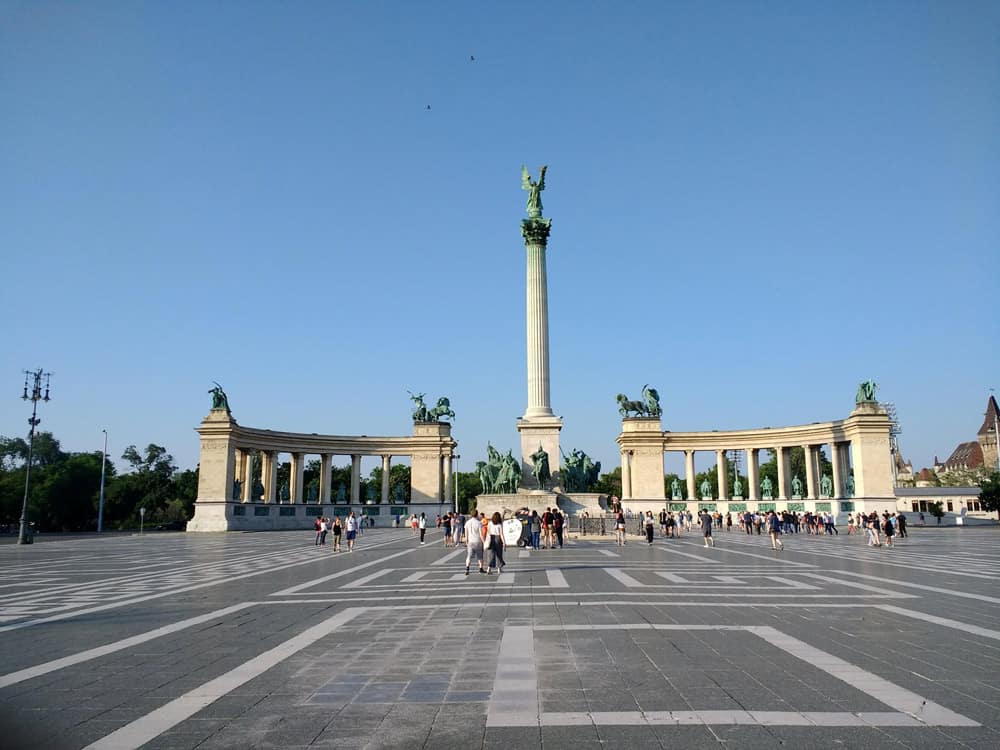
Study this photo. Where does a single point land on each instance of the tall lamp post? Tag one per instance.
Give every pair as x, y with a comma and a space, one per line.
35, 378
100, 502
455, 465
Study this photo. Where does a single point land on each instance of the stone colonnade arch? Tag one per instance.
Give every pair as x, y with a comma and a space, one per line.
226, 474
860, 442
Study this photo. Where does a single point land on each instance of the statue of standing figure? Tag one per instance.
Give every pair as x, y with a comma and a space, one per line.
540, 467
796, 486
706, 489
419, 407
219, 399
850, 486
675, 489
826, 486
866, 392
237, 490
767, 489
737, 487
534, 191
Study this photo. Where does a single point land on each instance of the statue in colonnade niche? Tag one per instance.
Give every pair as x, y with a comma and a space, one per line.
767, 489
706, 489
675, 489
237, 489
866, 392
737, 486
540, 467
796, 486
399, 494
370, 493
341, 493
219, 399
283, 493
826, 486
850, 486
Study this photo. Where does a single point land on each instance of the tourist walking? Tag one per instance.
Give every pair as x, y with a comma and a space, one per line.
474, 542
352, 531
536, 529
337, 529
620, 529
706, 528
649, 526
887, 529
446, 528
901, 525
318, 527
323, 529
558, 522
422, 524
495, 543
774, 530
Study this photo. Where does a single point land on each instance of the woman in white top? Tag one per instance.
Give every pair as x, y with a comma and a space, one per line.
494, 533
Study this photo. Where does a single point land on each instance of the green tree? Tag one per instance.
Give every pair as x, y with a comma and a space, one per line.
149, 485
989, 493
610, 484
469, 486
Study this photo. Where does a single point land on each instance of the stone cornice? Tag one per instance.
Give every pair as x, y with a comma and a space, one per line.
250, 438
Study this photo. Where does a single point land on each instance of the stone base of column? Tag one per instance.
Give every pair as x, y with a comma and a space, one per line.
543, 431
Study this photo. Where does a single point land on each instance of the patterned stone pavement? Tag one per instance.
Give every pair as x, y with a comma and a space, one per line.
267, 641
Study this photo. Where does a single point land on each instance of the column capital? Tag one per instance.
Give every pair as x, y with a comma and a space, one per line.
536, 231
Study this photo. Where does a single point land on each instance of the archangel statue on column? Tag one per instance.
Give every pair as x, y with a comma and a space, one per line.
534, 191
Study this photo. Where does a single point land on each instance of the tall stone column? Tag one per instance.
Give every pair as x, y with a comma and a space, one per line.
248, 479
386, 466
836, 460
722, 474
783, 479
626, 476
539, 426
296, 493
689, 474
355, 479
810, 456
447, 479
753, 473
324, 478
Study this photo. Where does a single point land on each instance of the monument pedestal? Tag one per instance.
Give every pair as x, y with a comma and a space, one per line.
544, 432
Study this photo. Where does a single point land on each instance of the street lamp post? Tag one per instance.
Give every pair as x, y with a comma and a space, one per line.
455, 471
100, 502
35, 377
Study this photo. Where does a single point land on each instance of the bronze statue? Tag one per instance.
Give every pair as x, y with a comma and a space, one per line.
419, 407
866, 392
219, 398
766, 489
441, 411
534, 191
540, 467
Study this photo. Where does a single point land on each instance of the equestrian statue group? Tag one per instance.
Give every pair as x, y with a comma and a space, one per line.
649, 406
435, 414
500, 474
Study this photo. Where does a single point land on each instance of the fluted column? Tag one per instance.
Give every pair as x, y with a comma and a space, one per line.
355, 479
810, 462
536, 234
835, 459
626, 475
324, 478
386, 466
782, 473
753, 473
722, 474
248, 478
269, 475
295, 493
447, 480
689, 474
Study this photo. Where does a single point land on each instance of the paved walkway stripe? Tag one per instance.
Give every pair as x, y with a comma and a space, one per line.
609, 553
514, 701
957, 625
624, 578
556, 579
67, 661
360, 582
450, 556
150, 726
316, 581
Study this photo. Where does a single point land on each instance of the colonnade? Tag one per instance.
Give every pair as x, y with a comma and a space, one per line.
858, 450
811, 490
246, 474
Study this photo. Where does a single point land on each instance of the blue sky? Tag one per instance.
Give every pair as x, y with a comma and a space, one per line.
755, 206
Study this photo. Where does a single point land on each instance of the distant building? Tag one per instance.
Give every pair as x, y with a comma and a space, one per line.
974, 457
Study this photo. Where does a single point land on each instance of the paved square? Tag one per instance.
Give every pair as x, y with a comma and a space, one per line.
265, 640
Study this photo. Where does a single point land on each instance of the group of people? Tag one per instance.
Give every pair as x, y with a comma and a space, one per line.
483, 535
351, 527
878, 528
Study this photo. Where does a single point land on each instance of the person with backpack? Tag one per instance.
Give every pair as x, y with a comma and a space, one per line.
557, 527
